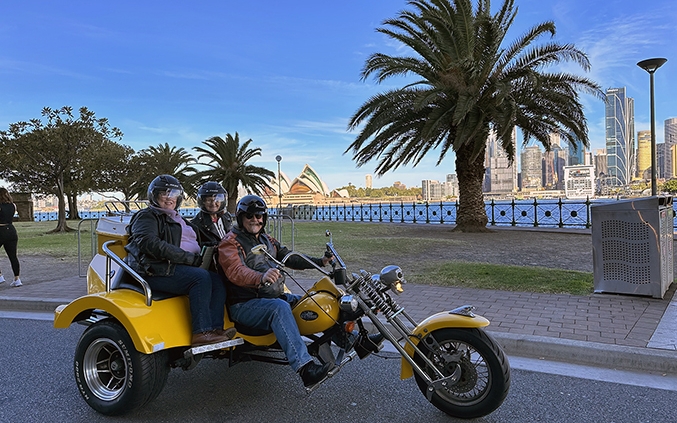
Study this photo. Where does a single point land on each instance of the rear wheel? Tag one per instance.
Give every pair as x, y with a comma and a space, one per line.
112, 376
480, 369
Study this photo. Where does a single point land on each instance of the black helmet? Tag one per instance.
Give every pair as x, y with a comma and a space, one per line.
167, 184
212, 189
251, 204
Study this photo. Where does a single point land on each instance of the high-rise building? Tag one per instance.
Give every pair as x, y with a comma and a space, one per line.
531, 160
620, 133
368, 181
644, 155
599, 162
553, 167
452, 185
670, 129
576, 154
500, 175
660, 160
431, 190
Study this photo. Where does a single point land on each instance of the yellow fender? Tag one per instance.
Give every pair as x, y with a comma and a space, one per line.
438, 321
164, 325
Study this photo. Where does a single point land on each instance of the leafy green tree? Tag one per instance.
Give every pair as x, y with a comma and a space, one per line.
227, 164
162, 160
467, 83
670, 186
43, 157
121, 175
94, 170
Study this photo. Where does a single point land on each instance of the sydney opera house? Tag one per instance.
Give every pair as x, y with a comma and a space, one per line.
307, 188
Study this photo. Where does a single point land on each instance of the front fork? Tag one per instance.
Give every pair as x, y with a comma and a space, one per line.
406, 340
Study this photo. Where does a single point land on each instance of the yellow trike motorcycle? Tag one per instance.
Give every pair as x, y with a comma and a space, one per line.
135, 336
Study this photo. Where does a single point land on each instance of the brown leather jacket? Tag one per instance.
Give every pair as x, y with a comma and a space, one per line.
244, 270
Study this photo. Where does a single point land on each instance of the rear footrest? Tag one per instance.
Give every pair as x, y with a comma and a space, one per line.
211, 347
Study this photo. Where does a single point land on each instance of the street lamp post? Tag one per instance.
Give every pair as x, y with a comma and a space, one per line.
279, 185
651, 65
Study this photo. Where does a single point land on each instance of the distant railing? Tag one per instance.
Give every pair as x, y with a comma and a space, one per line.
537, 213
545, 213
41, 216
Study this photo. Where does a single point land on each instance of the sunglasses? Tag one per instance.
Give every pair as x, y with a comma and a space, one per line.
252, 215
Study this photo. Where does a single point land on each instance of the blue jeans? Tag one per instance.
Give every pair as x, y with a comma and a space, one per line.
275, 314
206, 294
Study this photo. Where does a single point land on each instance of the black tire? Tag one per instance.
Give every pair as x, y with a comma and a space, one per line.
112, 376
484, 378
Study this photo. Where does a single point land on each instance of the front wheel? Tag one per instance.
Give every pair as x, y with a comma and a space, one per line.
480, 368
112, 376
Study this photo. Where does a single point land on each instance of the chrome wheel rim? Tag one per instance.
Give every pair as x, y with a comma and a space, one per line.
105, 369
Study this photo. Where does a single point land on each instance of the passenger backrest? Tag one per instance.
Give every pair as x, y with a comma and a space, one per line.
124, 280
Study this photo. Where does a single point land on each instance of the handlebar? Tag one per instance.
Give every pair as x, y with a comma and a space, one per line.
261, 249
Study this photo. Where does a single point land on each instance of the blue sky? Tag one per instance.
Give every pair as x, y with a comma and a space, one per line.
284, 73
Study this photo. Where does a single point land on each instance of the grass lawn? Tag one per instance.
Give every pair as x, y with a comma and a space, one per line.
370, 246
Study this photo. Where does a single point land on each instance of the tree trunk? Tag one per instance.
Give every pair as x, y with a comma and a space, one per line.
61, 225
73, 207
471, 215
232, 201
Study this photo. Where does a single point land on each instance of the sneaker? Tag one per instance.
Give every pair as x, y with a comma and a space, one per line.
16, 283
2, 278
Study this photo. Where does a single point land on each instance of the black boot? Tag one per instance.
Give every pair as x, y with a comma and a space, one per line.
312, 373
369, 344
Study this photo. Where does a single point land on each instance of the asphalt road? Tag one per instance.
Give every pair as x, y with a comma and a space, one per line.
36, 384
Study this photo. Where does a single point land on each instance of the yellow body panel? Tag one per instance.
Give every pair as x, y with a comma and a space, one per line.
438, 321
166, 324
323, 309
320, 302
95, 280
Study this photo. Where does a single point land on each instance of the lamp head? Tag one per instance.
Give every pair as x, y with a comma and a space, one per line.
651, 65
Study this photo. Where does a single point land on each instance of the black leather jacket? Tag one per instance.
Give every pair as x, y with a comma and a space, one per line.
208, 234
154, 243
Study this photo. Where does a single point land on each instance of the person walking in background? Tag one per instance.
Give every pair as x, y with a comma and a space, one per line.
8, 236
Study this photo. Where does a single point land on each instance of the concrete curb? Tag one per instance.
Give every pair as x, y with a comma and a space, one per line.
609, 356
31, 304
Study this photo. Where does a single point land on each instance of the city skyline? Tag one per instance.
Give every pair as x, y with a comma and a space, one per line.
286, 76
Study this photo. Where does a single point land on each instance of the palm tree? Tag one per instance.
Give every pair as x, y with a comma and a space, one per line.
162, 160
227, 164
467, 84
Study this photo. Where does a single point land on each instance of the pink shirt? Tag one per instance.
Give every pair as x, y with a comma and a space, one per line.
188, 235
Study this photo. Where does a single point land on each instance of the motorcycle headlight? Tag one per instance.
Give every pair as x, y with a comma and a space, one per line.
392, 277
348, 303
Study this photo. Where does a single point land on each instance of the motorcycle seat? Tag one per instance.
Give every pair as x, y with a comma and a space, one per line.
124, 280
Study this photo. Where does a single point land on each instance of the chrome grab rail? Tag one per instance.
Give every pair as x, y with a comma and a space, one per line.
110, 255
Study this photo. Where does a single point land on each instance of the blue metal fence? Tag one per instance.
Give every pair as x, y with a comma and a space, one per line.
537, 213
41, 216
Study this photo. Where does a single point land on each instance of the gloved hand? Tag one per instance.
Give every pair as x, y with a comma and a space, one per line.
197, 260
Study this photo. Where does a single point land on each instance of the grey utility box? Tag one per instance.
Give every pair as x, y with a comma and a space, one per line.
632, 246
